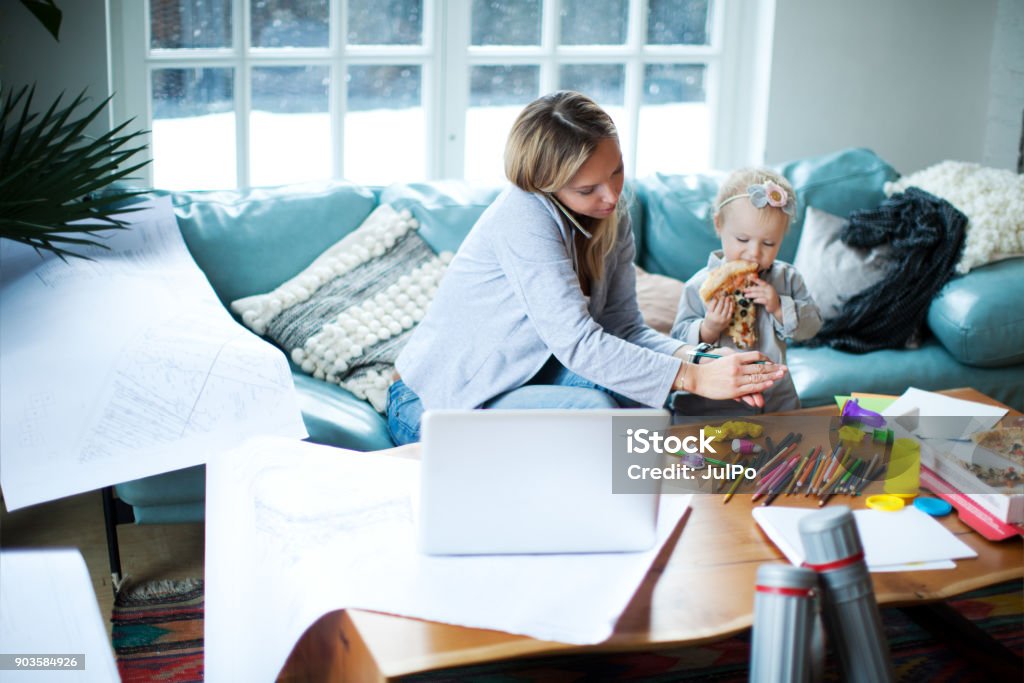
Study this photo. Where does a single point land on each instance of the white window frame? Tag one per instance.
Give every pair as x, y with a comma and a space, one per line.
736, 79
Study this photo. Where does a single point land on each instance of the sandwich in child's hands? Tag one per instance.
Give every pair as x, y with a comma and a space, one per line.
729, 280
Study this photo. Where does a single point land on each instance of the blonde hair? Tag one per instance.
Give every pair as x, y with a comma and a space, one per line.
737, 182
549, 142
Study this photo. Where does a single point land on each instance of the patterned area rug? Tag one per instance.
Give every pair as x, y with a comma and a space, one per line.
158, 632
158, 636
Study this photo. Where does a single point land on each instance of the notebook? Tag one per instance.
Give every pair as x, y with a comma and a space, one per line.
530, 481
893, 541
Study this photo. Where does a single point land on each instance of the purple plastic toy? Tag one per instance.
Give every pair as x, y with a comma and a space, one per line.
852, 412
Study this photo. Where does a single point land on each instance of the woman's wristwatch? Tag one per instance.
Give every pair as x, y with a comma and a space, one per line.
703, 347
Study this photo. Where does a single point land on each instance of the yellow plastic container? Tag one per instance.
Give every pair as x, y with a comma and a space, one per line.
903, 474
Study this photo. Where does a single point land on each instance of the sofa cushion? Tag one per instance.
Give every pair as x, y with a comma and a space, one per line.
248, 242
678, 233
445, 209
821, 373
975, 319
658, 298
991, 198
832, 270
345, 317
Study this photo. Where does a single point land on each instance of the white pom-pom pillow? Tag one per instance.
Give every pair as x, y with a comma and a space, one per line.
346, 316
992, 199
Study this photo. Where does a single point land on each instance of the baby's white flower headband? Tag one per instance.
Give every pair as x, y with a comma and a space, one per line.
766, 194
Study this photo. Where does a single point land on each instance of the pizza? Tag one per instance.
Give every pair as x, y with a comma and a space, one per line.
1006, 441
729, 280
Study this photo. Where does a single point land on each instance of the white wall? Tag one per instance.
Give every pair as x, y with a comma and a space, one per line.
28, 53
1006, 98
907, 78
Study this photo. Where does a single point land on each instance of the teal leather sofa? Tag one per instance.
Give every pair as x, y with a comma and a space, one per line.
249, 242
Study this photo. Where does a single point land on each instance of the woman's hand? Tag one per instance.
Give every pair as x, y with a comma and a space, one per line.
717, 318
734, 375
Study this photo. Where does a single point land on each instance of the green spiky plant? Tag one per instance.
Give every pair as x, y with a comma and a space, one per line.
54, 179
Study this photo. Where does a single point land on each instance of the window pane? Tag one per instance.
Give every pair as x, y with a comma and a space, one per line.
190, 23
594, 22
193, 129
385, 125
603, 83
678, 22
514, 22
675, 129
289, 126
289, 23
497, 94
385, 22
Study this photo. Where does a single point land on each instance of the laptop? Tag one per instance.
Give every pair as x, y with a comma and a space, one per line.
530, 481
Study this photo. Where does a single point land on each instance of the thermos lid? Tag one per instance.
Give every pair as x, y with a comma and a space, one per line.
829, 536
786, 576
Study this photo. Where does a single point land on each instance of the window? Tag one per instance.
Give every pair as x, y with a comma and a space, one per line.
241, 93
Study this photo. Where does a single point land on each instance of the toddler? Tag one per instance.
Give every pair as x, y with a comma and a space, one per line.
752, 214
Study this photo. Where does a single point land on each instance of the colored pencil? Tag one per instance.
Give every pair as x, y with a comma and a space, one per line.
772, 477
729, 495
812, 464
836, 463
871, 473
786, 440
819, 464
780, 486
774, 473
820, 476
779, 458
829, 488
849, 473
721, 482
795, 479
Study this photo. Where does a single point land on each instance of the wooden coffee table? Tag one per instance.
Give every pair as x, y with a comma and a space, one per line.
699, 589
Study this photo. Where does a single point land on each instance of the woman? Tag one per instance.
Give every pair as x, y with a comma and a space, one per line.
538, 307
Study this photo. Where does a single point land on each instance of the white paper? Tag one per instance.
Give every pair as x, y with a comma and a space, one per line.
310, 529
964, 417
47, 607
126, 366
903, 540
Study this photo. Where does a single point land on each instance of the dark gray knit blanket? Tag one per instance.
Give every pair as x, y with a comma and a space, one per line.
925, 235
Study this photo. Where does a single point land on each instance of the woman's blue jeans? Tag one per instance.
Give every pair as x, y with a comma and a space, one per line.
553, 387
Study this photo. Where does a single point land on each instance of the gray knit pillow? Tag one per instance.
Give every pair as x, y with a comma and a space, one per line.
832, 270
345, 318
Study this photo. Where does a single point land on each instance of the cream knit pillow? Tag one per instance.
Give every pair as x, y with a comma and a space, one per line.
992, 199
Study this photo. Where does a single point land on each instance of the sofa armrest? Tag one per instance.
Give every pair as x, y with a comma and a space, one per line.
978, 317
335, 417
